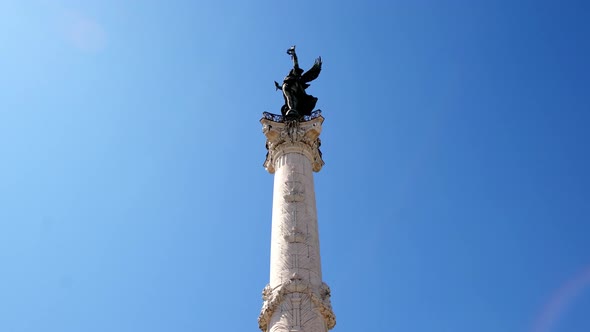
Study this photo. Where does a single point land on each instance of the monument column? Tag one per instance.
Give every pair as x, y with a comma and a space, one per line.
296, 299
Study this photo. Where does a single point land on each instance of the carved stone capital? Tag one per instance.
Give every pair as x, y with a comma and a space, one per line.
319, 296
293, 137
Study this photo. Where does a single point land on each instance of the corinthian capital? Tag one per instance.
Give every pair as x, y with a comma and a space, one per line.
295, 136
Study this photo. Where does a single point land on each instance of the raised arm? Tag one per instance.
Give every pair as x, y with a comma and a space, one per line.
291, 52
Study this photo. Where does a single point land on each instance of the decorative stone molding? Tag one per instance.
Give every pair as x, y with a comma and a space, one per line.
293, 137
293, 191
295, 236
320, 297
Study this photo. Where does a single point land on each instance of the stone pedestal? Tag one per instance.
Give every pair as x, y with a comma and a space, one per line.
296, 299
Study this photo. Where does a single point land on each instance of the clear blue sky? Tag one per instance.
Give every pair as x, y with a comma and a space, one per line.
455, 195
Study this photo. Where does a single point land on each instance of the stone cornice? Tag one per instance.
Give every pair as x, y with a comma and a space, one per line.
293, 137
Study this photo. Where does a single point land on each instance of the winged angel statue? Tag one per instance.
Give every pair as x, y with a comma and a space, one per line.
297, 102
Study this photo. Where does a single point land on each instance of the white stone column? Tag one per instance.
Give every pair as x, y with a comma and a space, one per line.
296, 299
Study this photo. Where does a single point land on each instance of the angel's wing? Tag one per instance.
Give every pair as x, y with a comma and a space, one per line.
313, 72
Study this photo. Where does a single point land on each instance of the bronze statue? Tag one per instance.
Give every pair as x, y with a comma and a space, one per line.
297, 102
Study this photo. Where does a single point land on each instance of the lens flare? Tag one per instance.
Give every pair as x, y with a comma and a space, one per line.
560, 301
84, 32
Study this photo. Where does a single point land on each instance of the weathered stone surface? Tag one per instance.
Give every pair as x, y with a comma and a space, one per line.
296, 299
292, 137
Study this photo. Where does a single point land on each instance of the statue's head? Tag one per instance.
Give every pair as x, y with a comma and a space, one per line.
296, 72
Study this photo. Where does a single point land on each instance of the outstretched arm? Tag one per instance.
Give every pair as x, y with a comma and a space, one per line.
291, 52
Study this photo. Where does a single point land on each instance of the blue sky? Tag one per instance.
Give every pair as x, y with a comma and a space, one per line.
455, 195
